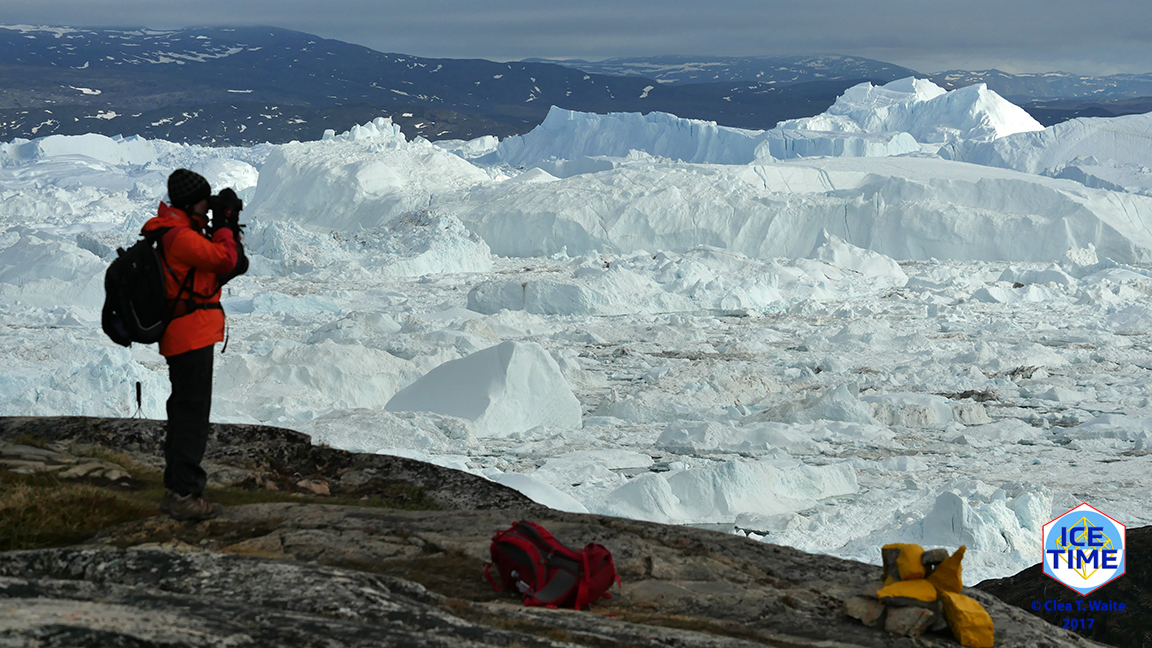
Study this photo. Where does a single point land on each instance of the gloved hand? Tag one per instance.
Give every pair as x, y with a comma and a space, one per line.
226, 208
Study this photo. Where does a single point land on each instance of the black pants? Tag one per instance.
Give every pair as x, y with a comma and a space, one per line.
188, 409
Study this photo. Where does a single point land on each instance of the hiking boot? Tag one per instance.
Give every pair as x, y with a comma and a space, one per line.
189, 507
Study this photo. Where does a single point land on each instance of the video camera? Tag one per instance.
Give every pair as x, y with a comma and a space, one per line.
226, 207
224, 201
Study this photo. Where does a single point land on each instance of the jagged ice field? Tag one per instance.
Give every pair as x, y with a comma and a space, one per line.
918, 317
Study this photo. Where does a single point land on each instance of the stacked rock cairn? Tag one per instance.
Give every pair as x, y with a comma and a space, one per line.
921, 593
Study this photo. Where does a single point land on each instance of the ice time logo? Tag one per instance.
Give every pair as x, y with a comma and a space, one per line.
1084, 549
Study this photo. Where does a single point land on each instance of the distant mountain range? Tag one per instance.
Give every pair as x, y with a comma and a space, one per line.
248, 85
772, 70
1050, 86
786, 70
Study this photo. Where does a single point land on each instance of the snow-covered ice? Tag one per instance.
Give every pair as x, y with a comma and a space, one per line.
1097, 152
505, 389
918, 317
923, 110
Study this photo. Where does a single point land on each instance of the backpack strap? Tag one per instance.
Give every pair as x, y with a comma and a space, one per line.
181, 307
582, 588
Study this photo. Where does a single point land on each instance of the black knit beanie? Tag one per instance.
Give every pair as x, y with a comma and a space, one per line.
186, 188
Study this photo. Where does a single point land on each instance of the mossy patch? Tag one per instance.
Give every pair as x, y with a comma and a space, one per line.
451, 573
40, 511
31, 440
397, 495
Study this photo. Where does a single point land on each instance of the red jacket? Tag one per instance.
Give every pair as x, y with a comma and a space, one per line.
186, 247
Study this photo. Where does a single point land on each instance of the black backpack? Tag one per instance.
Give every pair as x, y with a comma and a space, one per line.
136, 307
136, 304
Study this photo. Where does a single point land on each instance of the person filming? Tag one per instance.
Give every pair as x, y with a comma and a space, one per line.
200, 257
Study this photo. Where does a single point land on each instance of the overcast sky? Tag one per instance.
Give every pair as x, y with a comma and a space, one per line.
1080, 36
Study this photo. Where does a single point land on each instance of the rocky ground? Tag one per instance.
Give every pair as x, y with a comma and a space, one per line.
301, 572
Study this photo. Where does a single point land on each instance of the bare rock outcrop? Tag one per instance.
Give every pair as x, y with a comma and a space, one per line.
270, 457
310, 574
